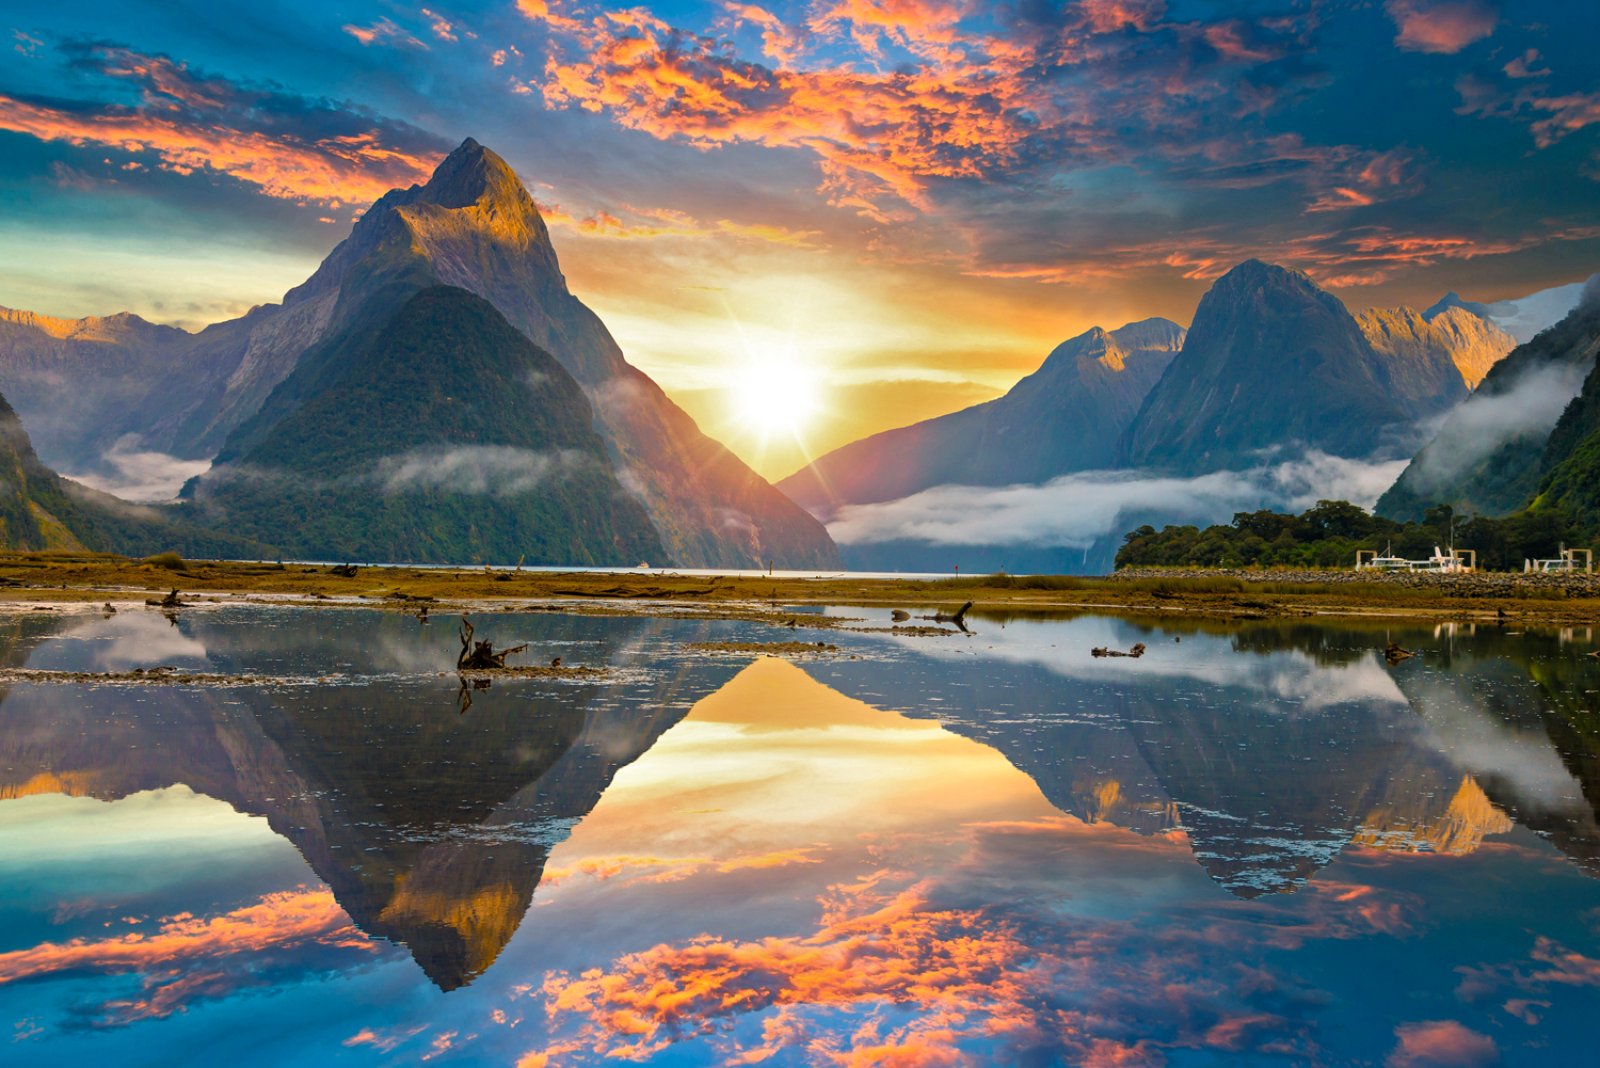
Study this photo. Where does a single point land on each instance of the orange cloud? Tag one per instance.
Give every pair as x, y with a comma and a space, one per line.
1107, 16
1441, 1042
384, 31
191, 124
779, 41
1440, 26
1568, 114
964, 114
943, 961
442, 27
1355, 256
336, 170
189, 957
964, 982
970, 105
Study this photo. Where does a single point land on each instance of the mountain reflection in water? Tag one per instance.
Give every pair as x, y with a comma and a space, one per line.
1258, 842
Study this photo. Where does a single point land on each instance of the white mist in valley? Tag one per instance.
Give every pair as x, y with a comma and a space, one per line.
1082, 510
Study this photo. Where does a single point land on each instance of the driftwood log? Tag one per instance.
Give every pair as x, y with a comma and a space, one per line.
958, 617
1136, 652
1394, 654
480, 656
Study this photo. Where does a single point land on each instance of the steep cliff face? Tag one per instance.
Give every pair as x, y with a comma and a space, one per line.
1066, 416
1272, 362
1490, 456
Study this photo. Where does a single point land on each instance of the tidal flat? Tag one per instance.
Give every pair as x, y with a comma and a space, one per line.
48, 581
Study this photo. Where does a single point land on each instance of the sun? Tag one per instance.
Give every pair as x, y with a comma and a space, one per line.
774, 396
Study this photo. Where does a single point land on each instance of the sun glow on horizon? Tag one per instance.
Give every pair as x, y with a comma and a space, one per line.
774, 396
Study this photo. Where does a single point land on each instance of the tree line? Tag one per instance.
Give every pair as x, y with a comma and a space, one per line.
1330, 533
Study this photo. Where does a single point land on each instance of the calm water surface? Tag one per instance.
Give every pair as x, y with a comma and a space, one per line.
1257, 844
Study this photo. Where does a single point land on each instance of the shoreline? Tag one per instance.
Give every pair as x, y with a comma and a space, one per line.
31, 581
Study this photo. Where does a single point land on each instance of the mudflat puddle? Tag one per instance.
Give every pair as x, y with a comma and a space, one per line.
1257, 843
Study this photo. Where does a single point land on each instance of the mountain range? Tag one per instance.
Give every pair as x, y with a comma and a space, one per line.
40, 510
472, 226
435, 393
1272, 368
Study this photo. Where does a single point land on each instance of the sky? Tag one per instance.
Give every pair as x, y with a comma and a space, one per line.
878, 210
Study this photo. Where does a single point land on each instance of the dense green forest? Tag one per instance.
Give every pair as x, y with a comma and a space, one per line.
1329, 534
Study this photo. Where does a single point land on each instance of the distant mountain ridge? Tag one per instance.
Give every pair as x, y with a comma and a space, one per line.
1422, 352
1066, 416
1523, 317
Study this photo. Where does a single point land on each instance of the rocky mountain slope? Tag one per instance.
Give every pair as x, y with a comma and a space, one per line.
74, 381
1570, 465
1427, 355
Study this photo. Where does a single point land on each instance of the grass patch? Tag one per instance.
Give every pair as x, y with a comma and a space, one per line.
169, 560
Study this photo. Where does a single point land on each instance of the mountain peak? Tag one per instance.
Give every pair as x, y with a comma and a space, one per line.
1453, 299
1254, 273
470, 175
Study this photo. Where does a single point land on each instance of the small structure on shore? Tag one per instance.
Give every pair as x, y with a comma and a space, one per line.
1570, 562
1452, 562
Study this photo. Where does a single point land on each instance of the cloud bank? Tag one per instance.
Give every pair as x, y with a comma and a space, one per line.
143, 475
1080, 510
1486, 422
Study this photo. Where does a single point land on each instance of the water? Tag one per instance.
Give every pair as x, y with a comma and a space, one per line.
1257, 844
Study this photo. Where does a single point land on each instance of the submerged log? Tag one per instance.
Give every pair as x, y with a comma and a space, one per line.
481, 656
1136, 652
